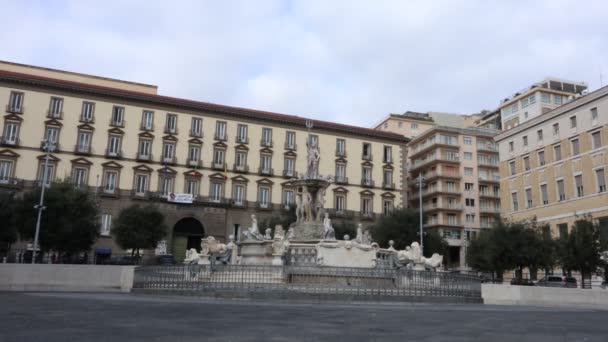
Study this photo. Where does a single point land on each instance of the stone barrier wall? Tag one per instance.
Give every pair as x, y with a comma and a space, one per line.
53, 277
544, 296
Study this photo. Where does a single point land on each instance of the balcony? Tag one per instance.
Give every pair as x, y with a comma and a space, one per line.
487, 163
195, 163
242, 140
266, 143
117, 123
84, 119
196, 134
433, 159
146, 128
9, 182
141, 194
421, 148
265, 171
367, 182
263, 205
441, 174
220, 137
14, 109
388, 186
435, 190
291, 146
366, 215
169, 160
54, 146
289, 173
143, 156
341, 180
490, 194
54, 115
82, 149
9, 141
489, 179
488, 147
239, 203
110, 191
240, 168
489, 210
367, 157
442, 206
218, 165
113, 153
170, 130
450, 223
341, 154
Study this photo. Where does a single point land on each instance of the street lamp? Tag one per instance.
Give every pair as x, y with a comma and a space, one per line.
48, 147
420, 186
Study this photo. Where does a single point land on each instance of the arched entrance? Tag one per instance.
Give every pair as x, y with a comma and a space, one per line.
187, 233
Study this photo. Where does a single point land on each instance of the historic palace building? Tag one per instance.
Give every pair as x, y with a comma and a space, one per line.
127, 144
460, 193
553, 166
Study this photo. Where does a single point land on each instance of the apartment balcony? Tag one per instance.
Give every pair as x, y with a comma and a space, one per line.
113, 153
111, 192
196, 163
146, 128
218, 166
55, 146
489, 210
240, 168
143, 157
10, 182
422, 148
289, 173
489, 147
266, 143
442, 206
341, 180
487, 164
436, 190
291, 147
169, 160
195, 134
388, 186
242, 140
14, 109
367, 157
369, 183
433, 160
9, 141
115, 123
263, 171
441, 174
489, 179
90, 120
169, 130
340, 154
54, 115
366, 215
489, 194
443, 223
82, 149
263, 205
141, 194
220, 137
239, 204
486, 225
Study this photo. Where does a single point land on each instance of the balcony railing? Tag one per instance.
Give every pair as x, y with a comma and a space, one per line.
266, 143
169, 160
340, 153
10, 141
220, 137
116, 123
367, 157
11, 182
442, 158
289, 173
486, 193
341, 180
145, 127
388, 186
242, 140
54, 115
143, 156
367, 182
265, 171
196, 134
435, 190
113, 153
263, 205
82, 149
55, 146
487, 163
366, 215
169, 130
487, 147
444, 206
493, 178
240, 168
441, 173
489, 210
292, 146
15, 109
110, 191
218, 165
141, 194
195, 163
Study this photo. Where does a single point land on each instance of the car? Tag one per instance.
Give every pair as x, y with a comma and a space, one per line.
557, 281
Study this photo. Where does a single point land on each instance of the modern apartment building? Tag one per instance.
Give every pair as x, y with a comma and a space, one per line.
461, 184
131, 145
411, 124
553, 166
539, 98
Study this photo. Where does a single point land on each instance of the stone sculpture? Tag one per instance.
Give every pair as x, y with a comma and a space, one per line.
307, 204
412, 256
267, 235
367, 238
299, 208
320, 204
279, 233
359, 236
328, 230
253, 233
313, 156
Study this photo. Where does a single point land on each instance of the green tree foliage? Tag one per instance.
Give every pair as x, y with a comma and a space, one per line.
402, 226
344, 227
8, 228
284, 218
69, 224
581, 249
139, 227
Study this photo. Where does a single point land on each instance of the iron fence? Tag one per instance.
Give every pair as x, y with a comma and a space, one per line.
306, 281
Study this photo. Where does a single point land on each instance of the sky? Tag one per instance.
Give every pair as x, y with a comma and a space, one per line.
346, 61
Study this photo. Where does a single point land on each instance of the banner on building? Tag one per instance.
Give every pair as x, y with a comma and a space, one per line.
179, 198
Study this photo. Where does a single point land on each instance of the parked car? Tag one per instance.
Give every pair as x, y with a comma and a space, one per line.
522, 282
558, 281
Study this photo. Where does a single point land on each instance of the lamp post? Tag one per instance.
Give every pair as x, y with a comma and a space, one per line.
420, 186
48, 148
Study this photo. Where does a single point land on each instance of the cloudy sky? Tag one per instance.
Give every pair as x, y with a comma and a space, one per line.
346, 61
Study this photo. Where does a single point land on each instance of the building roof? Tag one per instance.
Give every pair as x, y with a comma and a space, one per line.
236, 112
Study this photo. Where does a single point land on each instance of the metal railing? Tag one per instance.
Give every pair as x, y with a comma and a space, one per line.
301, 281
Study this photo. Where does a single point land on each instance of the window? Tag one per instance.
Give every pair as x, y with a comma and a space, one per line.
106, 225
601, 180
290, 140
596, 139
171, 124
532, 98
557, 152
578, 182
110, 182
563, 230
141, 184
289, 167
266, 136
414, 126
11, 130
264, 197
468, 141
514, 201
367, 151
15, 102
539, 135
544, 98
314, 139
527, 163
192, 187
468, 186
145, 146
470, 218
241, 160
48, 174
400, 124
573, 122
469, 202
194, 154
526, 115
238, 195
196, 127
528, 198
165, 185
557, 99
555, 128
468, 171
575, 147
468, 155
525, 140
366, 205
218, 158
340, 204
114, 146
450, 186
561, 194
541, 158
6, 171
51, 135
118, 114
147, 120
168, 152
288, 198
452, 220
220, 130
241, 134
265, 164
543, 194
387, 206
340, 147
594, 116
387, 179
388, 154
79, 177
511, 146
88, 110
216, 192
367, 175
341, 173
55, 107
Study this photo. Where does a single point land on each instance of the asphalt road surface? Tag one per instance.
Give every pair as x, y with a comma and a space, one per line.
128, 317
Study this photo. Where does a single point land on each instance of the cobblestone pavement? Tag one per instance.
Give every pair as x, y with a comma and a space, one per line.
129, 317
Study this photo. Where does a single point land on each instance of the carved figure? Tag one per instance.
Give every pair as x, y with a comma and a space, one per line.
253, 232
306, 204
267, 236
279, 233
320, 204
313, 157
290, 233
328, 230
413, 255
367, 238
359, 237
299, 208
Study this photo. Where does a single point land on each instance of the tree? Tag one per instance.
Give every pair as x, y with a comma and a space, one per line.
284, 218
402, 226
139, 228
344, 227
8, 228
69, 224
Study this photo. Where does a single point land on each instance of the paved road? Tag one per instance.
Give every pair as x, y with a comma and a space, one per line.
126, 317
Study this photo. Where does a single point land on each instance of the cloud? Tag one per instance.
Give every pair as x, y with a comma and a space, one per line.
347, 61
